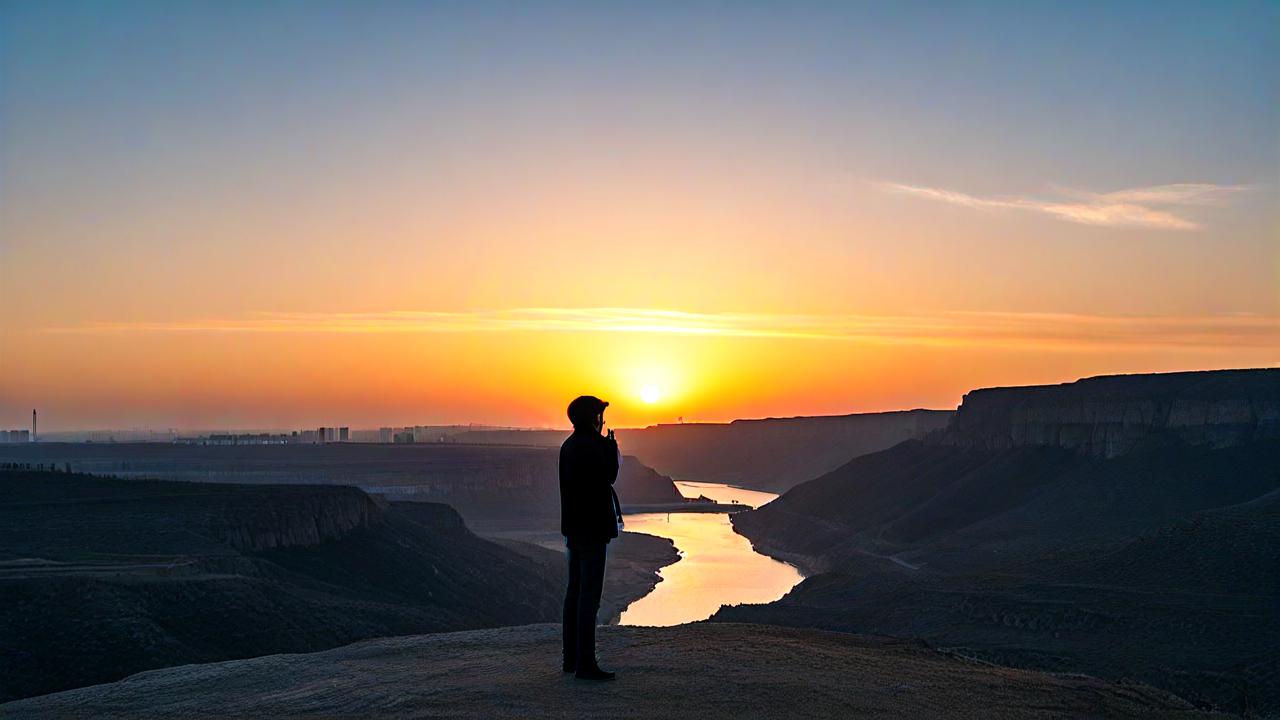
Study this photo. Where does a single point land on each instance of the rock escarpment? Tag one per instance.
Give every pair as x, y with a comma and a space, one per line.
1119, 526
1108, 416
266, 520
495, 487
101, 577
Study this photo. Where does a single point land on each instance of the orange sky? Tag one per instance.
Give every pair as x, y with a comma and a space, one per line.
344, 223
370, 371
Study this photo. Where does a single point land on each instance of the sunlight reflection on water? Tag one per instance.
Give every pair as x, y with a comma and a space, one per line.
717, 566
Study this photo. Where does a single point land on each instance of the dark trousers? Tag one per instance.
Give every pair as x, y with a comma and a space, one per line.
582, 600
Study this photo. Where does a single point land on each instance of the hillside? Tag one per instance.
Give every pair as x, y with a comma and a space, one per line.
101, 578
1145, 546
697, 671
494, 487
773, 454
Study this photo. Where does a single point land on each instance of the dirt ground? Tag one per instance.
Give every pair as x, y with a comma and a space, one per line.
702, 671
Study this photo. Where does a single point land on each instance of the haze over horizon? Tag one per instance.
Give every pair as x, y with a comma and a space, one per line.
236, 216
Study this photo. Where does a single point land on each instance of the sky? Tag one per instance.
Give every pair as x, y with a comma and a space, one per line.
288, 214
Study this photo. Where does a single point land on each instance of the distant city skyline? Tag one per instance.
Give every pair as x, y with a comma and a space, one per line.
245, 215
306, 434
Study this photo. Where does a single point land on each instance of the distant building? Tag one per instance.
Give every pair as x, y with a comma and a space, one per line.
321, 435
344, 434
403, 438
235, 439
309, 437
385, 434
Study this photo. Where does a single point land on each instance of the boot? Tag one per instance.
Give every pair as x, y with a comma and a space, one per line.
593, 672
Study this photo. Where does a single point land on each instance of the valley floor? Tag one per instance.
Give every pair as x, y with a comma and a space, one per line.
702, 671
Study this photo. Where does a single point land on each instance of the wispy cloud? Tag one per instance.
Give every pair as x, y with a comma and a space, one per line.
1135, 207
991, 329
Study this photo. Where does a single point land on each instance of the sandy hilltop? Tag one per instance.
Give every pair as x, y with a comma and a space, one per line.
702, 671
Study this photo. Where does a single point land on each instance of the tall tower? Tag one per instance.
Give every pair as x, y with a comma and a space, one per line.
33, 425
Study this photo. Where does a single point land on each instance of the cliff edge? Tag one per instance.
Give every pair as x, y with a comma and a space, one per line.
699, 671
1122, 526
1108, 416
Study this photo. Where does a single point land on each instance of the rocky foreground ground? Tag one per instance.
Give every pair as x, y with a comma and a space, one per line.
701, 671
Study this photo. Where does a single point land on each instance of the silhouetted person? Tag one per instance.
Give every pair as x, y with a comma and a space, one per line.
589, 518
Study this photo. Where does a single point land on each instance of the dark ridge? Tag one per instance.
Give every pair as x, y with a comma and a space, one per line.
1068, 528
494, 487
102, 578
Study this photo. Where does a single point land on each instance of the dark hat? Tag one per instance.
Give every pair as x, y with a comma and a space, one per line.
584, 409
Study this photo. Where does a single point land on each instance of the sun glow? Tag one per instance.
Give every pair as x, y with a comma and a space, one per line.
650, 394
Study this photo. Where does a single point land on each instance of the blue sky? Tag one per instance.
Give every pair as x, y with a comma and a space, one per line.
1097, 92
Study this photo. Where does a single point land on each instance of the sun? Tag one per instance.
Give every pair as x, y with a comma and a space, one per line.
650, 394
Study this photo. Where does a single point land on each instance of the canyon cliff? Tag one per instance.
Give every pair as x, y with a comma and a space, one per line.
495, 487
1107, 416
102, 577
1121, 526
292, 518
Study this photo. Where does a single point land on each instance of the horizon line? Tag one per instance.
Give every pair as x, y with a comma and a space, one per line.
486, 427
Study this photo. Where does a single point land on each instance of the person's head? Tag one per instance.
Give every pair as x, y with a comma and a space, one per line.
587, 413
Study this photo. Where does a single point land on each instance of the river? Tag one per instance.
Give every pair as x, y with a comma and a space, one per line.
717, 566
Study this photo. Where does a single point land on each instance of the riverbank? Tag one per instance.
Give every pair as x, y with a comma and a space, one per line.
807, 564
741, 671
718, 567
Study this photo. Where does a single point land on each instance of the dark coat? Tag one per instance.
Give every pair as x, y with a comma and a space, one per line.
588, 468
